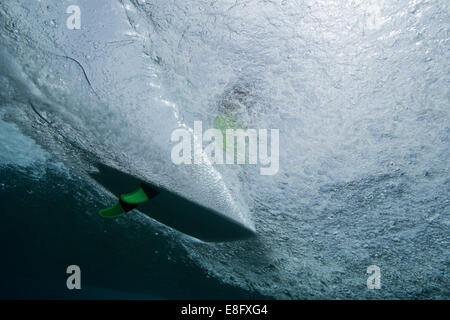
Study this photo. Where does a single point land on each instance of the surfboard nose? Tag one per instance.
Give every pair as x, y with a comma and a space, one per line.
176, 210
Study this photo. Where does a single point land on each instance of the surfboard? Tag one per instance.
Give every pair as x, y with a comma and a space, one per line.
174, 210
166, 206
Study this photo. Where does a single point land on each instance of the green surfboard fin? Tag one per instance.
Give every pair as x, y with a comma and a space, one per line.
128, 202
135, 197
113, 211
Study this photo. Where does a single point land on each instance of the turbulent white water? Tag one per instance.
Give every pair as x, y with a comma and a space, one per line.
358, 89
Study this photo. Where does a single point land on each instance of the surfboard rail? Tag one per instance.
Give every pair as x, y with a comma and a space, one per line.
174, 210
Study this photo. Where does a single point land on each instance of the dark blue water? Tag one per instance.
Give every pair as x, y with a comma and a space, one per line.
49, 223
